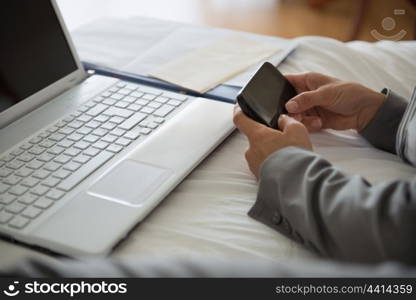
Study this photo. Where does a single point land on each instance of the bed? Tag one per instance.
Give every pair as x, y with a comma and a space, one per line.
206, 215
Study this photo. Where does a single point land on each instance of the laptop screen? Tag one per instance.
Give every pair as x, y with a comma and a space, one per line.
33, 50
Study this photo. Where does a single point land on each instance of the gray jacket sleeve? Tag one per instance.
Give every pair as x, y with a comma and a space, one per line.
304, 197
382, 131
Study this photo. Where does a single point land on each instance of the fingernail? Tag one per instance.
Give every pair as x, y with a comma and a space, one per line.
316, 123
292, 106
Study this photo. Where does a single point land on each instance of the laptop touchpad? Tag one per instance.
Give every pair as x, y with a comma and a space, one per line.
130, 182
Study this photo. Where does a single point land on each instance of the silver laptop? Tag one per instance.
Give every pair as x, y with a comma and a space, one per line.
84, 159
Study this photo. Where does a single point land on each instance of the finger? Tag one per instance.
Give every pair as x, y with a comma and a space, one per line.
246, 125
308, 81
313, 123
307, 100
297, 117
298, 81
285, 122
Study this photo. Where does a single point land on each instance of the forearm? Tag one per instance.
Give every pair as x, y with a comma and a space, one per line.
304, 197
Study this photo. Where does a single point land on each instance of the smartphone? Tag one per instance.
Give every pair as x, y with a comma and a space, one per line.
264, 97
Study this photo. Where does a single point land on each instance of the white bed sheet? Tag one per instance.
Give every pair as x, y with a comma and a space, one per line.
206, 215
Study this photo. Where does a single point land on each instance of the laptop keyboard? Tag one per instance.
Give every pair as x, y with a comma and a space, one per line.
39, 172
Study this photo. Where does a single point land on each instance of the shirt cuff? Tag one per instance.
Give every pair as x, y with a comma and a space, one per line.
382, 130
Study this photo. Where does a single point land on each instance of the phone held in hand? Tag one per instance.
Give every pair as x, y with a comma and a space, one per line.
264, 97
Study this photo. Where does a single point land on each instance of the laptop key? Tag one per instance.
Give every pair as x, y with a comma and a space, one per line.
23, 172
26, 157
123, 142
118, 132
149, 97
84, 118
56, 137
115, 148
81, 145
17, 152
19, 222
150, 90
84, 130
46, 143
122, 104
40, 174
117, 96
15, 208
52, 166
109, 101
5, 217
55, 194
29, 182
145, 131
27, 199
4, 172
12, 180
147, 110
35, 140
132, 134
175, 102
175, 96
136, 94
75, 136
88, 168
31, 212
50, 182
62, 159
163, 111
39, 190
100, 132
18, 190
3, 187
6, 199
91, 138
36, 150
56, 150
109, 138
26, 146
82, 159
120, 112
62, 174
92, 151
100, 145
162, 99
72, 166
132, 121
15, 164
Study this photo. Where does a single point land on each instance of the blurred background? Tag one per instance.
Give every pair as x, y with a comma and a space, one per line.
368, 20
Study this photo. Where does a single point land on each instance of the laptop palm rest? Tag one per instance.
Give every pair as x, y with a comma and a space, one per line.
130, 182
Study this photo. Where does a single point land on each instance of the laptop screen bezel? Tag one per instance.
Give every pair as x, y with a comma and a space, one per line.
46, 94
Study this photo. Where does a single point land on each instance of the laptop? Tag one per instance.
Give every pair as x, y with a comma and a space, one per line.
83, 159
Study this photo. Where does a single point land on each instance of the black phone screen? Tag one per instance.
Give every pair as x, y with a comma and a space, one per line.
266, 94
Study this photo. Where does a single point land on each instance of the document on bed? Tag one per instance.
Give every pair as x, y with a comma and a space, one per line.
141, 45
207, 67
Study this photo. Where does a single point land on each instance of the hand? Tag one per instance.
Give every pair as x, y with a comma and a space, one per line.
326, 102
264, 141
